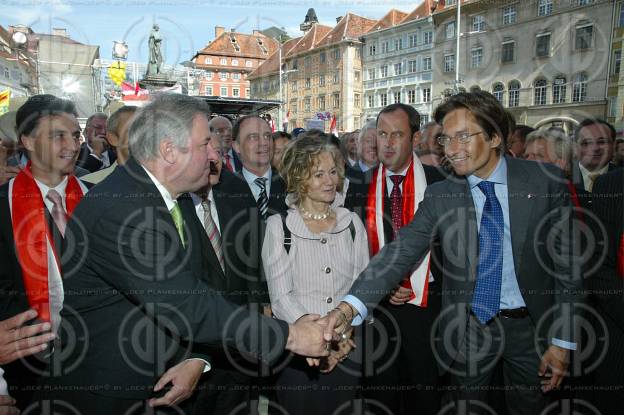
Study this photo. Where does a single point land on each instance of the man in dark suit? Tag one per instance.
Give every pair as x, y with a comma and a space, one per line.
95, 152
136, 296
511, 281
607, 290
221, 129
33, 214
407, 359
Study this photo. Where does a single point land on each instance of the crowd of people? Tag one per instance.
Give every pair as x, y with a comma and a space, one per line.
169, 260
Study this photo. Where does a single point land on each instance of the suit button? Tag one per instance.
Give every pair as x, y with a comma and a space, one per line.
327, 270
329, 300
323, 240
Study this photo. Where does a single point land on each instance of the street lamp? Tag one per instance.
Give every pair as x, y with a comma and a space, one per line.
23, 44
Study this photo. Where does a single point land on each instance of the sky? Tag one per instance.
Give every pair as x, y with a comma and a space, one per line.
186, 25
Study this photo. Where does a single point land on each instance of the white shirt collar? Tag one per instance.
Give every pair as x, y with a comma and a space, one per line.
169, 201
60, 188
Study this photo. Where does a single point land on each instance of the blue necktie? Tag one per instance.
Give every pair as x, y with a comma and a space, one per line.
486, 297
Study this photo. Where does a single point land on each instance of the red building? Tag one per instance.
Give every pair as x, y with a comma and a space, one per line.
229, 59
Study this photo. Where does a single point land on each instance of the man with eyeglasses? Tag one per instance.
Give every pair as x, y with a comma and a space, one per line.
511, 279
221, 129
595, 145
386, 202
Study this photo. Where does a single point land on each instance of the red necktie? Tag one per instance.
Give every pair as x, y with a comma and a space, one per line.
620, 258
228, 164
397, 204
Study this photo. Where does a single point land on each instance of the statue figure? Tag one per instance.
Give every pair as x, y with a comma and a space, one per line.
155, 54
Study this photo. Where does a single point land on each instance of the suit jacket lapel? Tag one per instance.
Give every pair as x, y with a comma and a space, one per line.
519, 197
468, 235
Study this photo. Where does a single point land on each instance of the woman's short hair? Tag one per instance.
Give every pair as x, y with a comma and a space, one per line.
302, 155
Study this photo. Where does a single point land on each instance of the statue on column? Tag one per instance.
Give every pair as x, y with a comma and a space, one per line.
154, 65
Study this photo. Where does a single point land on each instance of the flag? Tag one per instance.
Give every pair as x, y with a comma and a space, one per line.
5, 99
332, 126
128, 89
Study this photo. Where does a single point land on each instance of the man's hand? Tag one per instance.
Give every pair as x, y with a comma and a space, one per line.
7, 173
183, 378
553, 367
17, 341
400, 295
338, 321
306, 336
7, 406
99, 145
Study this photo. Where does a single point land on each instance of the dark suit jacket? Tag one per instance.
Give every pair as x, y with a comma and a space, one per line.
538, 205
585, 197
242, 232
88, 162
136, 300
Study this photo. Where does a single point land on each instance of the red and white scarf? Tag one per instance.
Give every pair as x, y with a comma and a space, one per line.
414, 186
33, 239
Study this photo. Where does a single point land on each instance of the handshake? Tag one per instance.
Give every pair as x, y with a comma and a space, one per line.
325, 341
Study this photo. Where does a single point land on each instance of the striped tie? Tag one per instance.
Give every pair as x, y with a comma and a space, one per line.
213, 233
263, 200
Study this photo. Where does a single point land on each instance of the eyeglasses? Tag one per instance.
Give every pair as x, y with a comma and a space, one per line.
462, 138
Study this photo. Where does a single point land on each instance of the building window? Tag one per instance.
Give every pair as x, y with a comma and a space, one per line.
426, 94
413, 40
336, 77
621, 19
293, 86
234, 62
617, 61
397, 97
427, 38
223, 61
336, 99
514, 93
411, 66
295, 64
336, 54
371, 101
236, 75
559, 90
476, 57
508, 52
248, 64
322, 57
358, 53
209, 75
449, 63
426, 63
356, 75
398, 68
384, 47
321, 80
411, 96
235, 92
612, 110
450, 3
371, 73
383, 99
478, 23
398, 44
583, 38
450, 30
384, 71
544, 7
424, 119
321, 102
509, 15
208, 90
247, 93
579, 88
356, 100
223, 75
499, 92
306, 104
585, 2
308, 83
372, 49
542, 45
539, 97
208, 61
224, 91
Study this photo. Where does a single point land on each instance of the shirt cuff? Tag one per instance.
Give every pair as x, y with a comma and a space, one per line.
563, 344
359, 306
207, 366
4, 388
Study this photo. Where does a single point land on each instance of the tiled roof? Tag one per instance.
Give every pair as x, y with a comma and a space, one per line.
392, 18
271, 65
423, 10
351, 26
245, 45
311, 39
442, 5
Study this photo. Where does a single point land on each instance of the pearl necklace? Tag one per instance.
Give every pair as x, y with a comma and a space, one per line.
315, 216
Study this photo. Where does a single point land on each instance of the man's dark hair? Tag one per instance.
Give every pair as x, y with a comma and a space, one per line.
522, 131
591, 121
37, 107
239, 123
412, 115
487, 110
280, 134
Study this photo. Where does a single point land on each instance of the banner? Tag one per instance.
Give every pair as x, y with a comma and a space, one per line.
5, 100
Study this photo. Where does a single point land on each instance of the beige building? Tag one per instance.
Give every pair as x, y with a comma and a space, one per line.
322, 73
227, 61
615, 94
541, 59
